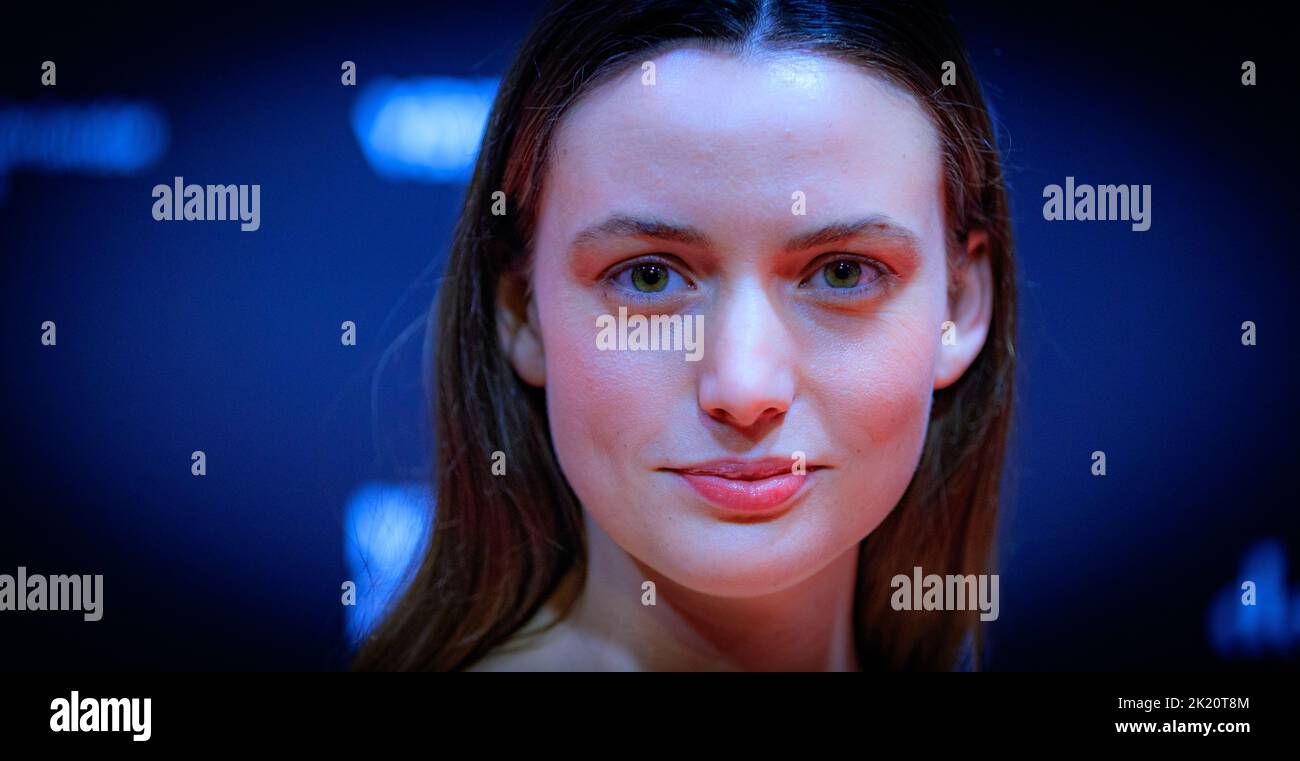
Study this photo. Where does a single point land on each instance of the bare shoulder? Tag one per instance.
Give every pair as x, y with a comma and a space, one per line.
548, 642
515, 657
557, 649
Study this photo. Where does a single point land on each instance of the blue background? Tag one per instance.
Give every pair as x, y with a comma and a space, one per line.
182, 337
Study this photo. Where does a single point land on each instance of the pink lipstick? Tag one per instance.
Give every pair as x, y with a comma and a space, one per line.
749, 487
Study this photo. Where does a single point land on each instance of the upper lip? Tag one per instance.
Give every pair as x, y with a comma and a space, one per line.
747, 470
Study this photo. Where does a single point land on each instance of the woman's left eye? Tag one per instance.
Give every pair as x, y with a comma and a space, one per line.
844, 274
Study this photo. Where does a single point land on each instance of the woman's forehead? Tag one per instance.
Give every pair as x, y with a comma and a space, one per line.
738, 137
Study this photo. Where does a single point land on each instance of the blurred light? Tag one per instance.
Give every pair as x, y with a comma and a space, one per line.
426, 130
98, 138
385, 528
1269, 627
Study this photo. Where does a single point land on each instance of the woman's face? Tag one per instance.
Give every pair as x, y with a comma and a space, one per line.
791, 207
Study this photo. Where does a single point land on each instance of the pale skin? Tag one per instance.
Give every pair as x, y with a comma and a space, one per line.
803, 352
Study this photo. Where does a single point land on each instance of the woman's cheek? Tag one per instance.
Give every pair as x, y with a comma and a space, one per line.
877, 397
605, 406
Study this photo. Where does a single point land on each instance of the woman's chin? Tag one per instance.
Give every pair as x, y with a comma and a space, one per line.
719, 569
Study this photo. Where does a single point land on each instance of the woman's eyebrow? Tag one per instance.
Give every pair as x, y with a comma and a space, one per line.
879, 226
627, 225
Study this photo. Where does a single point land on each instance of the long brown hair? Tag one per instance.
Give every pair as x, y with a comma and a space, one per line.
500, 545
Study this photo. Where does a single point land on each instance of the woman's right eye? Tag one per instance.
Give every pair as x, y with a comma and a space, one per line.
649, 277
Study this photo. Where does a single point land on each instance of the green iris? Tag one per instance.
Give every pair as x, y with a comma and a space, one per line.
842, 274
649, 278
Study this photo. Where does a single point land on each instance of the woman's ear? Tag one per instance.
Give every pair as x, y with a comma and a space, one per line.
518, 330
970, 311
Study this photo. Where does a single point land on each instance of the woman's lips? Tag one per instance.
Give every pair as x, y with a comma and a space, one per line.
746, 487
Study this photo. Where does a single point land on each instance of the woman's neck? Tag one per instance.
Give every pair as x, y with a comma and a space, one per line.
805, 627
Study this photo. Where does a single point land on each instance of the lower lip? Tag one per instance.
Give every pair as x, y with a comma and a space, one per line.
749, 497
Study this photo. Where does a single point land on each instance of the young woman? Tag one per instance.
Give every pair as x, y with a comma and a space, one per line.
806, 198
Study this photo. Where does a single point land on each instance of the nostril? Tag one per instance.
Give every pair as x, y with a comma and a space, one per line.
765, 416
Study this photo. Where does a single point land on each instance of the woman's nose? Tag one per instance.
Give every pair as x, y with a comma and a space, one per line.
747, 377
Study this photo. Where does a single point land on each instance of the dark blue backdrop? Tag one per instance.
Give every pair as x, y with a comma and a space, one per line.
181, 337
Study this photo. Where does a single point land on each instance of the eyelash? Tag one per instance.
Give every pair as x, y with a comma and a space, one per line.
627, 267
884, 275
